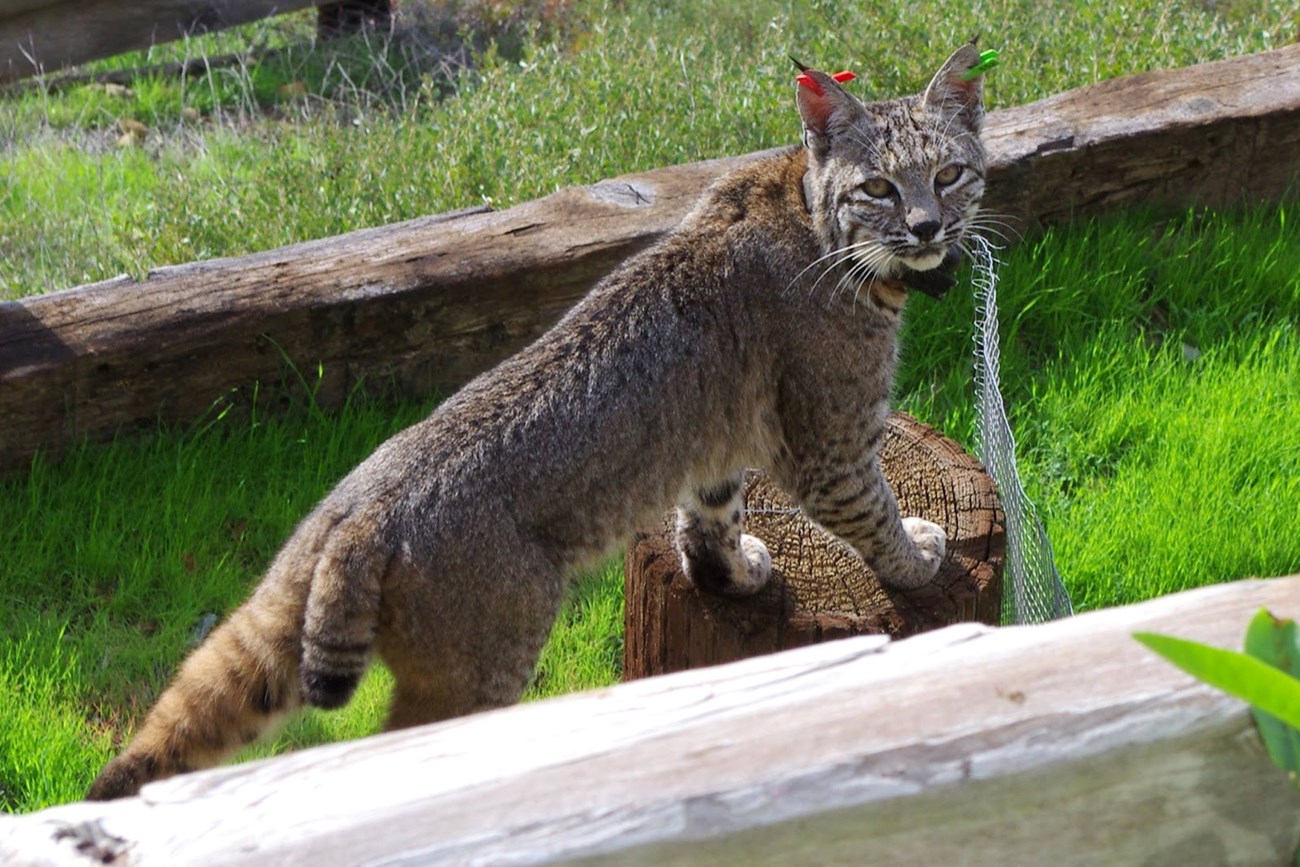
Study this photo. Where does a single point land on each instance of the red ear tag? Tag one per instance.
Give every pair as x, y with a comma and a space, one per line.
808, 82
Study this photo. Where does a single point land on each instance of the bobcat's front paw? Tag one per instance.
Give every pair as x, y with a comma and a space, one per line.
758, 566
931, 544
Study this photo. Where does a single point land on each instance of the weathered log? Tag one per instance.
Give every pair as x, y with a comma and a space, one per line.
1217, 134
426, 304
39, 36
1065, 743
820, 588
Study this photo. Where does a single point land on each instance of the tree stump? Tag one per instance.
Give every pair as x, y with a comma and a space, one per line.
821, 589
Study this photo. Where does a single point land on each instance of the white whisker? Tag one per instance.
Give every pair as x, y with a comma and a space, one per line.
994, 224
842, 252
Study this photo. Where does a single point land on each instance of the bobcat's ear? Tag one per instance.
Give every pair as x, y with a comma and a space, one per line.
823, 105
951, 93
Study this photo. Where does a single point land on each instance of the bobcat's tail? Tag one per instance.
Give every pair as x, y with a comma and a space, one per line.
342, 616
299, 638
238, 684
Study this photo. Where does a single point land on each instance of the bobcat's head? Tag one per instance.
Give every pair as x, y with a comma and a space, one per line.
894, 186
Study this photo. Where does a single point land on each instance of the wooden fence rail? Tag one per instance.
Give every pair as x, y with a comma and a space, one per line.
428, 303
38, 36
1067, 743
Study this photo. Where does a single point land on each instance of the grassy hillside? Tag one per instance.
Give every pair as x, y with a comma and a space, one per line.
1149, 359
314, 142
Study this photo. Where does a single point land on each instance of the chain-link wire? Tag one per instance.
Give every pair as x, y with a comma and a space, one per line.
1032, 590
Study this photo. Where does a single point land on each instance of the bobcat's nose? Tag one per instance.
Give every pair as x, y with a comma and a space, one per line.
925, 230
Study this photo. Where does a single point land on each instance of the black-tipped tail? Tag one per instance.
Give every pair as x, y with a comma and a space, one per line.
331, 672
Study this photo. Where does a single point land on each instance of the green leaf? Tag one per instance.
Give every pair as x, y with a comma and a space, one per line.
1274, 641
1237, 674
1277, 643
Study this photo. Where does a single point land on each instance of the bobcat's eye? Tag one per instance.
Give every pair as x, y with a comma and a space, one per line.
878, 188
948, 176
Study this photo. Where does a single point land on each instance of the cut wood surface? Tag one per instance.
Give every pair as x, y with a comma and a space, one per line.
428, 303
38, 36
1065, 743
821, 589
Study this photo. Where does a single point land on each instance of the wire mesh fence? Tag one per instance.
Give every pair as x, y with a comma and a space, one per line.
1032, 588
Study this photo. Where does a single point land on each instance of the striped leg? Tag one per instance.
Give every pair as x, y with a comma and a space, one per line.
858, 506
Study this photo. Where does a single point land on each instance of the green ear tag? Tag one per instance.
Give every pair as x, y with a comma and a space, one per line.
988, 60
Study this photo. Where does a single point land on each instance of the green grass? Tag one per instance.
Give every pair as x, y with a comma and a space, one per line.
1149, 359
131, 543
47, 750
1189, 475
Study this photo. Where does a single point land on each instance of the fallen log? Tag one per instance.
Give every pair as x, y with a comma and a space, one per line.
1065, 743
426, 304
40, 36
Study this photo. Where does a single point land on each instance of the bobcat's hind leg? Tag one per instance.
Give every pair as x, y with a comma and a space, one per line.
421, 697
716, 554
484, 657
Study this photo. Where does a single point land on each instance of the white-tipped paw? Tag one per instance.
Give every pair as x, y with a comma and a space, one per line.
758, 566
931, 543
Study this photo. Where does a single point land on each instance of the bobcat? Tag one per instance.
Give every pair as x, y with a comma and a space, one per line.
762, 332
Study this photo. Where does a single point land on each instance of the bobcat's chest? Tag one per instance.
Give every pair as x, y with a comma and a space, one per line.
889, 295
